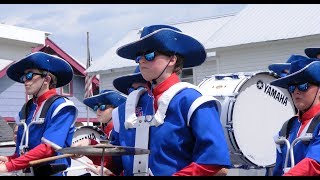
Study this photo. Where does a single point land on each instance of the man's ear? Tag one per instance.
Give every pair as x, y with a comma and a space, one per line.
173, 59
47, 79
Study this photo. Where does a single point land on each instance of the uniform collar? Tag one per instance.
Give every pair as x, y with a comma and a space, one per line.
310, 113
166, 84
45, 96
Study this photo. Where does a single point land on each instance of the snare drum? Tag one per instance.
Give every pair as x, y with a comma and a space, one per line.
252, 113
88, 132
78, 169
84, 132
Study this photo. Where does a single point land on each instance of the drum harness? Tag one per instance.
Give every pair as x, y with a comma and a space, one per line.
284, 134
140, 163
24, 147
142, 123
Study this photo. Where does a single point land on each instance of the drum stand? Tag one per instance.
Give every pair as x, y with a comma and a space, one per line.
102, 161
289, 152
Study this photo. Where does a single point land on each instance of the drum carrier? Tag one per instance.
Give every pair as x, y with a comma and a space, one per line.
40, 170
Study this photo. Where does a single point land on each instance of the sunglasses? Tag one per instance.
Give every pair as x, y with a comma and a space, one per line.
151, 55
301, 87
29, 76
102, 107
147, 56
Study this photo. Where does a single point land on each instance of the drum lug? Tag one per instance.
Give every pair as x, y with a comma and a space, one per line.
229, 128
238, 153
233, 99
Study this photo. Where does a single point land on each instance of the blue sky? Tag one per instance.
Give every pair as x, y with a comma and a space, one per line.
106, 23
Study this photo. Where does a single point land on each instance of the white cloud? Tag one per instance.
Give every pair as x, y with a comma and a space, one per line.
107, 23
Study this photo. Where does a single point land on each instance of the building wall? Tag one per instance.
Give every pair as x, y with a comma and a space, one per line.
12, 97
106, 80
78, 96
208, 68
258, 56
12, 51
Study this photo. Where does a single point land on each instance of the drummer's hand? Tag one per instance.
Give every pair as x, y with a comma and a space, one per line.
83, 142
76, 156
3, 168
3, 159
97, 171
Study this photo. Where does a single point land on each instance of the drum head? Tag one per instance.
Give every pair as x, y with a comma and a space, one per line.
253, 112
87, 132
79, 169
258, 114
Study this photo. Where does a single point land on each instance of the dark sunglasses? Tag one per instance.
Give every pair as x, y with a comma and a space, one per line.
102, 107
301, 87
149, 56
29, 76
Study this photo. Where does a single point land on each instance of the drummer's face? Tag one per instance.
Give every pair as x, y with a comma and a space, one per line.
306, 99
106, 115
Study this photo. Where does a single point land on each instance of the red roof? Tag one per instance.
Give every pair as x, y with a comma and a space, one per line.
51, 48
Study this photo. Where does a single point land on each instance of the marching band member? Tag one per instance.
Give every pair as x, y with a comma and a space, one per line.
41, 73
303, 157
103, 104
127, 84
180, 126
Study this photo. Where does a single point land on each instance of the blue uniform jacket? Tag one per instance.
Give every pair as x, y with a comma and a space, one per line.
301, 150
175, 144
58, 127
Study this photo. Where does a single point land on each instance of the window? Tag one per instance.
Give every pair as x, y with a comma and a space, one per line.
66, 89
187, 75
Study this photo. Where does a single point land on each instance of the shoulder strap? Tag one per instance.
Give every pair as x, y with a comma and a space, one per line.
48, 103
284, 132
314, 122
25, 109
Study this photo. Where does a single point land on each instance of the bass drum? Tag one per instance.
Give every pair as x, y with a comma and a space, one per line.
252, 113
88, 132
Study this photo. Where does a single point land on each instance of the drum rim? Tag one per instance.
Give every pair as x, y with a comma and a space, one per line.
99, 130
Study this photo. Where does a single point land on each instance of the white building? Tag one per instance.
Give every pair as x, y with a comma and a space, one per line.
15, 43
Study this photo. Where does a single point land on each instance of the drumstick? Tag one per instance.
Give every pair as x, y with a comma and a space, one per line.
56, 147
32, 163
